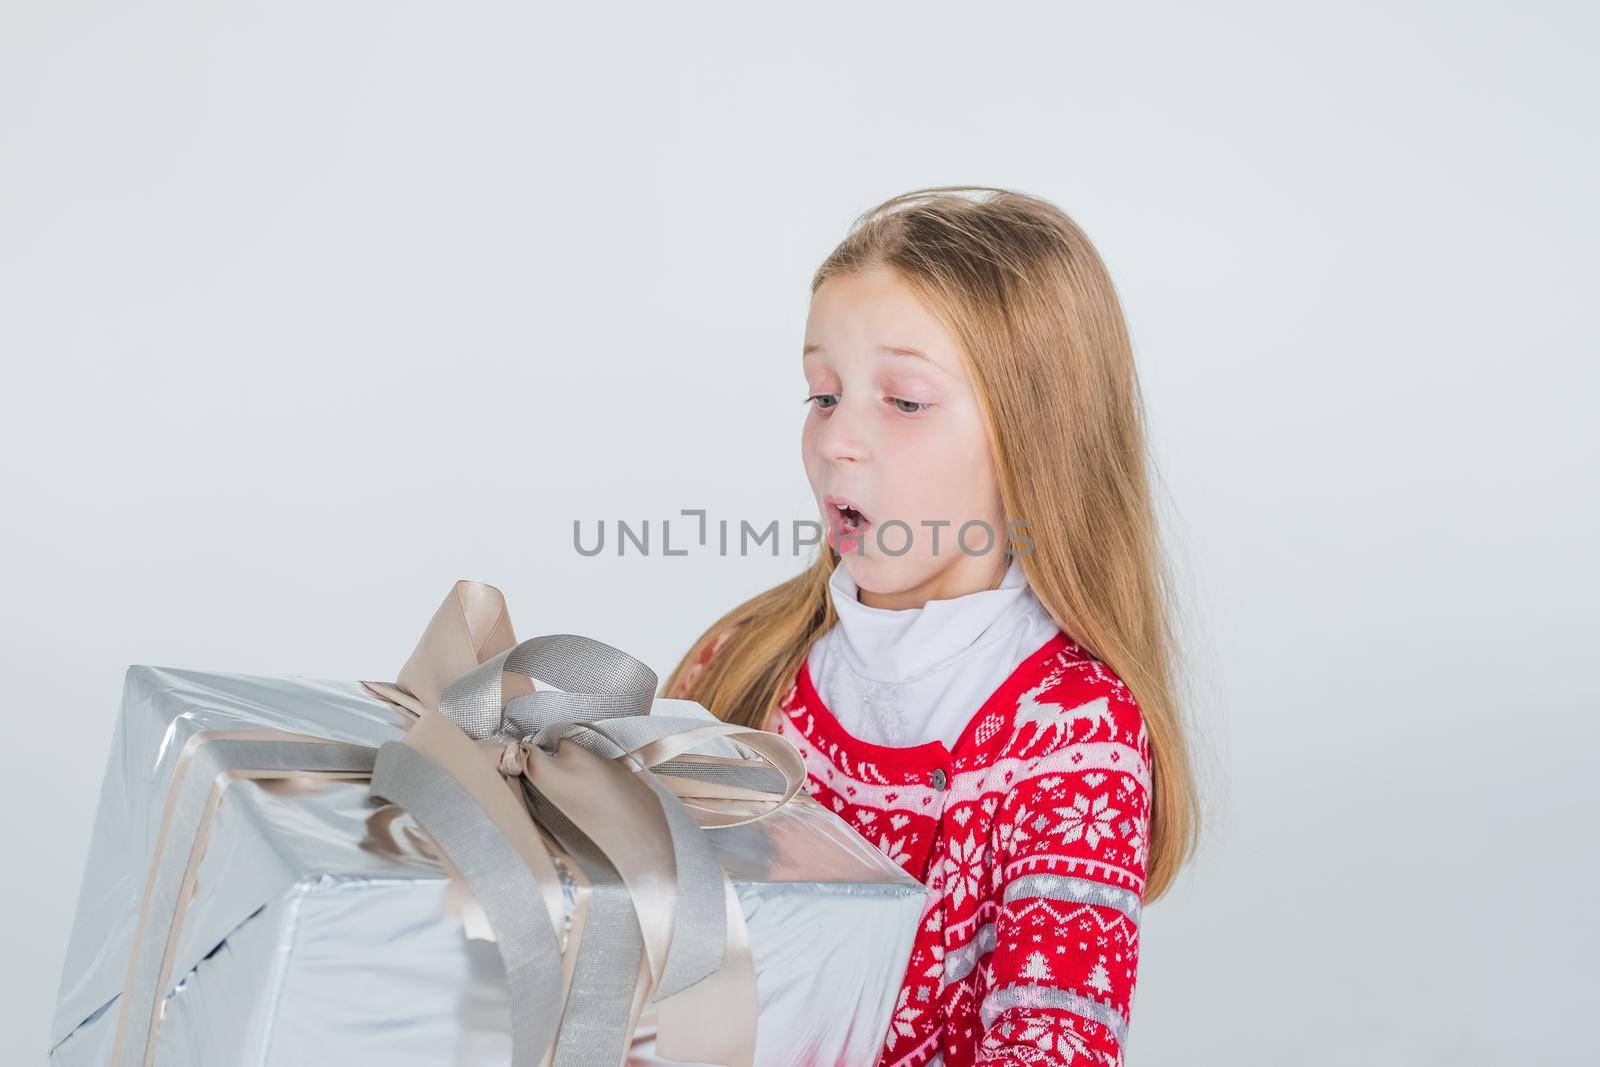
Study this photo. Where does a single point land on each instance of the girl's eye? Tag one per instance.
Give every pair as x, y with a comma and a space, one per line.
829, 401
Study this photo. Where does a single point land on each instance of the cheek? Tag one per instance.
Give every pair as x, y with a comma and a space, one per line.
942, 475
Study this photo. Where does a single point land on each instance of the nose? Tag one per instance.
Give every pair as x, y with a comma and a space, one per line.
844, 436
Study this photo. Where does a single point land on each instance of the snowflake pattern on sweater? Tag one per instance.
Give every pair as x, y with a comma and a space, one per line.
1031, 835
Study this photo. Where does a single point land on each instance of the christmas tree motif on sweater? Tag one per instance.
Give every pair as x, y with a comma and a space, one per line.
1098, 980
1037, 968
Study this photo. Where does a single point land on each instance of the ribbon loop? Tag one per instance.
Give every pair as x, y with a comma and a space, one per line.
595, 680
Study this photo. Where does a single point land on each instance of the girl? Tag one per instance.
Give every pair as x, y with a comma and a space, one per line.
993, 711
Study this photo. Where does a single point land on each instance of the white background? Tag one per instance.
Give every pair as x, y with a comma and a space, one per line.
309, 309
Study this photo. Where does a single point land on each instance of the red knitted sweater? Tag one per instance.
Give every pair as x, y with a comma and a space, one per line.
1031, 835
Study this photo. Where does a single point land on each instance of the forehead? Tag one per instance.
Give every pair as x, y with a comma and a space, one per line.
855, 316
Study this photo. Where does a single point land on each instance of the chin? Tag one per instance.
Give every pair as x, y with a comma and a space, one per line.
882, 575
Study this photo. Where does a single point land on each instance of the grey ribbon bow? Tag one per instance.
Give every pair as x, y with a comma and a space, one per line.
602, 706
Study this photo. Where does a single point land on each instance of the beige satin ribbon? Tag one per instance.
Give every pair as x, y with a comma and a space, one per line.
470, 626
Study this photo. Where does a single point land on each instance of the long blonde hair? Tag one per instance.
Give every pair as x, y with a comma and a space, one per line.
1032, 308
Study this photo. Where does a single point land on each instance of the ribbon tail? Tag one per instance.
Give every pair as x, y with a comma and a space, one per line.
699, 930
500, 880
611, 967
714, 1020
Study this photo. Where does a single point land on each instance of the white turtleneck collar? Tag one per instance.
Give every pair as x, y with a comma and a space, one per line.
900, 644
903, 677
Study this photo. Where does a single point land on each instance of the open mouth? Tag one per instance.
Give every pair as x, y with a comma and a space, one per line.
847, 518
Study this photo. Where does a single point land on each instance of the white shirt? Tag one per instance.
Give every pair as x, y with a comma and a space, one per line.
905, 677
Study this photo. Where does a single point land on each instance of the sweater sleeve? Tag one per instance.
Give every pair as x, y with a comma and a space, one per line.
1070, 847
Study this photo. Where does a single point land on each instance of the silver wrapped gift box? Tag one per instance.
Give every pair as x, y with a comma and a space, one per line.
323, 926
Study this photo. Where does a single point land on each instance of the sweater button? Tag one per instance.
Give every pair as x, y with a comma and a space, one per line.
938, 778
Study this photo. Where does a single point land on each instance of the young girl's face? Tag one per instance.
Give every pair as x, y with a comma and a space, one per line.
895, 433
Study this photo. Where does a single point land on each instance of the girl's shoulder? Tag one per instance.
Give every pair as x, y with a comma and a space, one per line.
696, 661
1070, 707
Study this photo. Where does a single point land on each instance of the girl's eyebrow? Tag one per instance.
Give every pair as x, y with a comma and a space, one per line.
926, 360
891, 350
897, 350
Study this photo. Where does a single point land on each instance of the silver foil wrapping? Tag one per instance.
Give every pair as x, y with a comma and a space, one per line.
324, 930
